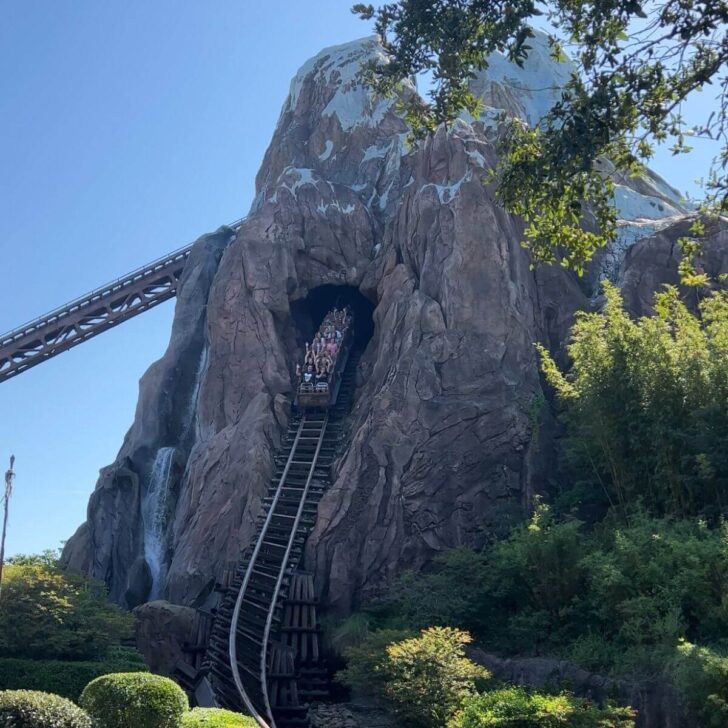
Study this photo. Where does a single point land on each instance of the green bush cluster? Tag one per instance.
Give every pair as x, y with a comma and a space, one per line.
64, 678
134, 700
702, 675
216, 718
646, 406
514, 707
32, 709
429, 682
426, 679
124, 700
614, 598
46, 613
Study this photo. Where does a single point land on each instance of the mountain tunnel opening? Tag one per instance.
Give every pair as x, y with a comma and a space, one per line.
310, 311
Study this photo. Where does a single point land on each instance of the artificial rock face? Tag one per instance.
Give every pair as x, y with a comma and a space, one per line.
441, 437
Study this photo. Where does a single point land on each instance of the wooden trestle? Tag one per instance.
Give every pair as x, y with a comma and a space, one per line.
264, 656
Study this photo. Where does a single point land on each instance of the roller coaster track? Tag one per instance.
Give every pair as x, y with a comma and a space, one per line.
251, 654
92, 314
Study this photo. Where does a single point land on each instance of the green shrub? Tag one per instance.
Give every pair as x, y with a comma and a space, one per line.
517, 708
32, 709
216, 718
426, 679
46, 613
64, 678
341, 633
135, 700
614, 599
451, 593
702, 676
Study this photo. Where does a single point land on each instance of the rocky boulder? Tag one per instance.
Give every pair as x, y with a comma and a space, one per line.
162, 632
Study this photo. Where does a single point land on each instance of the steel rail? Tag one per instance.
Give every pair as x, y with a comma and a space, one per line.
232, 644
111, 287
284, 564
93, 313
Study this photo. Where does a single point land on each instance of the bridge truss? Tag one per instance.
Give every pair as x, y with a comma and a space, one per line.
92, 314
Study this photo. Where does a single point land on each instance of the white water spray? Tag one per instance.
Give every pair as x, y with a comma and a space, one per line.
191, 414
154, 516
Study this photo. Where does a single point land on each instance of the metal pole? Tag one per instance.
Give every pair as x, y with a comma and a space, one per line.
9, 475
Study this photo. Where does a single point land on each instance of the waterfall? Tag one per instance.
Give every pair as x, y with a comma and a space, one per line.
154, 517
194, 420
191, 419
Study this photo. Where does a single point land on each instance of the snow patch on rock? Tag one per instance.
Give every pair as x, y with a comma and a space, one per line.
327, 151
633, 205
628, 233
527, 91
447, 192
338, 67
375, 152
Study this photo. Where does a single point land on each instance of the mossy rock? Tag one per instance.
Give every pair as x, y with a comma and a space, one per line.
216, 718
134, 700
34, 709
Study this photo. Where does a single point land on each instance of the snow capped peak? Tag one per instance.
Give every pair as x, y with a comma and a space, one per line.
333, 72
346, 59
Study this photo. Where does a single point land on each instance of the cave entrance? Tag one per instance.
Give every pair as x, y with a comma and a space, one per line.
309, 312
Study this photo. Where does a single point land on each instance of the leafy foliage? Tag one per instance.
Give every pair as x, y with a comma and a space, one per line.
702, 674
46, 613
216, 718
426, 679
64, 678
342, 633
31, 709
452, 593
429, 677
635, 64
135, 700
517, 708
646, 405
616, 598
366, 669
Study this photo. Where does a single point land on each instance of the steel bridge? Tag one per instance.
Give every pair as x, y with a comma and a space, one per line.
92, 314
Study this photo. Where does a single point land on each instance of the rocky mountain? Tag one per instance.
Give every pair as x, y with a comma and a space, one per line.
443, 437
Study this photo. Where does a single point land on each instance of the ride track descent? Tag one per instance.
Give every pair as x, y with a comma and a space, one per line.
259, 660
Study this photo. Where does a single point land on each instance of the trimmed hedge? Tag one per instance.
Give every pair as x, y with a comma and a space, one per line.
33, 709
135, 700
216, 718
67, 679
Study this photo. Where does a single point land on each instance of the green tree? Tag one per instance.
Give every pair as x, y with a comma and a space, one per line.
646, 405
636, 63
46, 613
615, 597
451, 593
430, 678
426, 679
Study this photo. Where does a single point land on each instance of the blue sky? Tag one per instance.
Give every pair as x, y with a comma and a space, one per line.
127, 130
